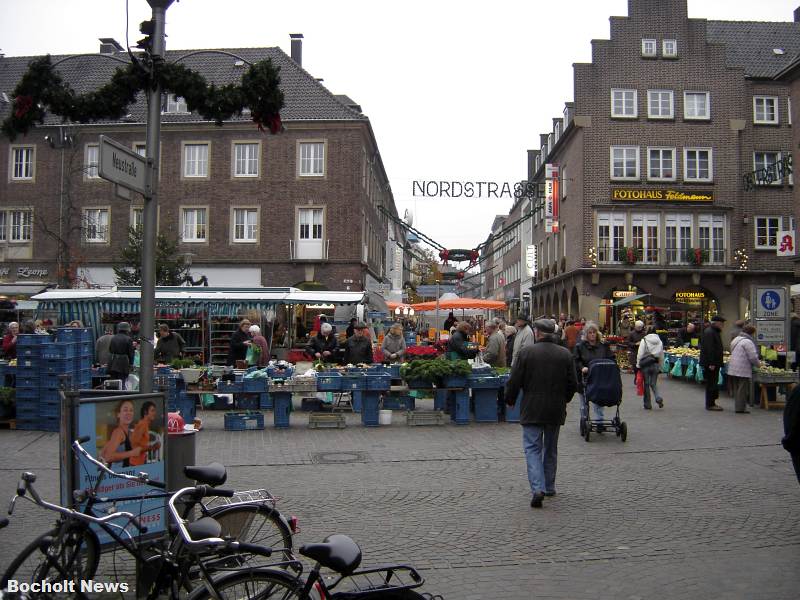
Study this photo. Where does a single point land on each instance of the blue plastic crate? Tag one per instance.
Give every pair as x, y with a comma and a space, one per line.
185, 404
24, 395
30, 371
329, 382
377, 369
29, 352
31, 339
49, 381
440, 400
27, 381
56, 366
370, 408
242, 421
419, 384
265, 401
485, 401
70, 334
278, 373
49, 396
247, 401
282, 402
357, 397
255, 384
378, 382
395, 402
484, 382
226, 387
50, 410
459, 406
454, 381
60, 350
394, 370
354, 381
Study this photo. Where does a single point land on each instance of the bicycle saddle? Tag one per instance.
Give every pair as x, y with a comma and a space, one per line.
337, 552
203, 528
213, 474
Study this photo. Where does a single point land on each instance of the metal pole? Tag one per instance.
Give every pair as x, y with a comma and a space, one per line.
436, 337
150, 212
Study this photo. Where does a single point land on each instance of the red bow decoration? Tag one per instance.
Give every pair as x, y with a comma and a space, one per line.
698, 256
23, 104
272, 122
444, 254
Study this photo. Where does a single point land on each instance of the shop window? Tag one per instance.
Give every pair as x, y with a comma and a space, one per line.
766, 230
610, 237
711, 236
678, 234
659, 104
644, 237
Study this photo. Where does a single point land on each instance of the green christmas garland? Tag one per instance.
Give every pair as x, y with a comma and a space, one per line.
42, 89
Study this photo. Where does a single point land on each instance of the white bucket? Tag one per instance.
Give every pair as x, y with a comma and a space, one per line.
385, 417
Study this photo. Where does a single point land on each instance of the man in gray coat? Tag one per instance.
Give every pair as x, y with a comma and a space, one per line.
546, 375
523, 338
495, 353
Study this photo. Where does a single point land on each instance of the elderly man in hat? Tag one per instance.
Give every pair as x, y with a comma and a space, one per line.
358, 349
546, 375
524, 336
121, 353
711, 360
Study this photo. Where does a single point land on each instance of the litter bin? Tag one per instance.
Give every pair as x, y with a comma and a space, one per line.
181, 452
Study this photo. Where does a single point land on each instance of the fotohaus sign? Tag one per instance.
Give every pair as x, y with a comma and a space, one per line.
661, 194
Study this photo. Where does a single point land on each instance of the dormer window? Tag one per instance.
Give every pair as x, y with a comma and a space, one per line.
649, 47
175, 104
669, 49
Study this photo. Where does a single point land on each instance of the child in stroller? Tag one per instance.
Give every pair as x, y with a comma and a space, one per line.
602, 386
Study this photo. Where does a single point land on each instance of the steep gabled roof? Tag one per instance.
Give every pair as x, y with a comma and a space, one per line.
305, 98
751, 44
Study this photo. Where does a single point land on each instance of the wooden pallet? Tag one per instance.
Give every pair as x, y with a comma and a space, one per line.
425, 417
318, 420
8, 423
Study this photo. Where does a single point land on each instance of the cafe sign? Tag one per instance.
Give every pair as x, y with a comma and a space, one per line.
665, 194
25, 272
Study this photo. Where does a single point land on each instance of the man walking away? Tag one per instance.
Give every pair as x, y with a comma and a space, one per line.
121, 353
546, 376
711, 360
101, 346
791, 428
495, 353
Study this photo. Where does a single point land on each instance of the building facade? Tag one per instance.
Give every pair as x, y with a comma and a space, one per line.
301, 208
669, 120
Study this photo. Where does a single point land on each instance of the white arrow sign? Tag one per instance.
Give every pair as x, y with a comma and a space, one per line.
122, 166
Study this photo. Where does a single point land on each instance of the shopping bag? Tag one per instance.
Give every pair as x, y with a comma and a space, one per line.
136, 359
665, 366
677, 370
720, 381
699, 375
690, 370
207, 400
639, 384
252, 354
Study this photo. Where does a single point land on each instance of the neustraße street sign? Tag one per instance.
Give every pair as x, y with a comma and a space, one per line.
122, 166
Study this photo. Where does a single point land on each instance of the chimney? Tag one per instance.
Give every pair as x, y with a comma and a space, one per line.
109, 46
797, 15
297, 47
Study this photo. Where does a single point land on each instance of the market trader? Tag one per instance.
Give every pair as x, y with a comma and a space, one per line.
358, 349
323, 345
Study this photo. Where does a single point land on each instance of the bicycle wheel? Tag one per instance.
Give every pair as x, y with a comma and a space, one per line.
70, 552
256, 524
253, 584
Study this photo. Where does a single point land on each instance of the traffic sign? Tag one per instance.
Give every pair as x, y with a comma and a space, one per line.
123, 166
770, 332
770, 303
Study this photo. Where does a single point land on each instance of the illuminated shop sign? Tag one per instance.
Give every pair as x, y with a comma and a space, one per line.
660, 194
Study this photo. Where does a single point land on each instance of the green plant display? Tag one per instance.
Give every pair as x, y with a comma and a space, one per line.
435, 370
7, 396
182, 363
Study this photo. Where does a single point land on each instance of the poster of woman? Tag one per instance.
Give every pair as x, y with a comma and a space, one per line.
127, 444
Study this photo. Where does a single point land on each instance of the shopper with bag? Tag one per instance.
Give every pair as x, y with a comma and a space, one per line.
744, 357
648, 361
258, 351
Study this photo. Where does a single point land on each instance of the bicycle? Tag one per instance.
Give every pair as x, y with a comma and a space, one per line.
71, 550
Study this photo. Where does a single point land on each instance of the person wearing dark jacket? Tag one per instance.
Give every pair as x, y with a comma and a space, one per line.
121, 353
323, 346
687, 334
546, 375
358, 349
457, 344
794, 337
240, 340
169, 345
351, 329
791, 428
633, 339
711, 360
449, 321
510, 333
591, 348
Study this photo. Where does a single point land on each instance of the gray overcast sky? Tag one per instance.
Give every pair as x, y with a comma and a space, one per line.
455, 90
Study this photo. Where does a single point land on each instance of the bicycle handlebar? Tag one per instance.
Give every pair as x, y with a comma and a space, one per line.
141, 477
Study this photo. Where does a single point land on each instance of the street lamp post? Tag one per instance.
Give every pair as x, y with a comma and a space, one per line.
150, 212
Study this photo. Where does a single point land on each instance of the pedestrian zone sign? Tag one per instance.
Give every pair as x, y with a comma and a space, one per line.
770, 303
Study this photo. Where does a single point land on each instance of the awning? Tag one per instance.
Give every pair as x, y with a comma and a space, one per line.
22, 289
629, 299
460, 303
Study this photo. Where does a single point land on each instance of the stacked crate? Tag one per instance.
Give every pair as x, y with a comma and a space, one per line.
35, 409
76, 344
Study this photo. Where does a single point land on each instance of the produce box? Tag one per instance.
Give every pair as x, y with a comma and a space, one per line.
241, 421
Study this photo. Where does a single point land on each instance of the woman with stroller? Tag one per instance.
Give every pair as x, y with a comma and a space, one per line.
590, 348
649, 360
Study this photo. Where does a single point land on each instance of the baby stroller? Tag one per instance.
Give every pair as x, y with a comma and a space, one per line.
603, 386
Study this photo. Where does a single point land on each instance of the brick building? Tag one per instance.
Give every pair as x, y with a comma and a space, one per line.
668, 119
295, 209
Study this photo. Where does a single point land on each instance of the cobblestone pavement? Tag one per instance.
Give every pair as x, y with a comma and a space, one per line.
694, 505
